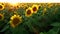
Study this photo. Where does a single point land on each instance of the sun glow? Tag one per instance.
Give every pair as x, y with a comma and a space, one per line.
10, 1
31, 1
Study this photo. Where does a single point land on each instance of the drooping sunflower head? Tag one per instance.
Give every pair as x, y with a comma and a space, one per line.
15, 20
1, 7
28, 12
1, 16
35, 8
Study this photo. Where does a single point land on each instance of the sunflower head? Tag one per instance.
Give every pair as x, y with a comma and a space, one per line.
39, 6
50, 5
1, 16
12, 8
15, 20
35, 8
28, 12
1, 7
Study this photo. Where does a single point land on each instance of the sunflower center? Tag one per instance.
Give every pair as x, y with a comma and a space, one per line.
34, 8
29, 12
16, 21
0, 7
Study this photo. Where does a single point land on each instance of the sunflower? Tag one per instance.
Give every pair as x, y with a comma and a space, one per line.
12, 8
24, 6
15, 20
50, 5
28, 12
35, 8
1, 7
2, 3
39, 6
1, 16
44, 11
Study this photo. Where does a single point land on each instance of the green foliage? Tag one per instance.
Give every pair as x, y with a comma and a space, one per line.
36, 24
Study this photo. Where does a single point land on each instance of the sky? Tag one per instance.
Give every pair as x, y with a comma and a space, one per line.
31, 1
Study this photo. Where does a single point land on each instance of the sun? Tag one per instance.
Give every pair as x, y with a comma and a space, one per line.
10, 1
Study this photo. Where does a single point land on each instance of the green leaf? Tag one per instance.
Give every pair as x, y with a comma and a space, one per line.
43, 33
56, 24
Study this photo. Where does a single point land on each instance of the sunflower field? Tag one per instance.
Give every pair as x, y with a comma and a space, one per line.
30, 18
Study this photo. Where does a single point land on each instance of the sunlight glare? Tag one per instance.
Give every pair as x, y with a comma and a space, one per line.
10, 1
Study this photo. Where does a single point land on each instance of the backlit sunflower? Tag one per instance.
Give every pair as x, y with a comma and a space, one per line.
15, 20
39, 6
1, 7
28, 12
50, 5
1, 16
35, 8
